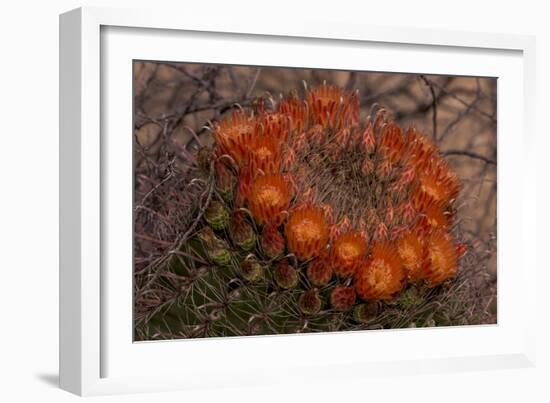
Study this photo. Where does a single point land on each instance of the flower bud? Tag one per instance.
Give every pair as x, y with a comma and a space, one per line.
310, 303
242, 232
215, 248
216, 215
251, 269
225, 182
286, 276
342, 298
272, 241
319, 272
410, 298
219, 253
364, 313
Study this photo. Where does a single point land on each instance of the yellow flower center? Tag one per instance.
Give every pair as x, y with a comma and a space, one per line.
349, 250
378, 273
307, 229
263, 153
270, 195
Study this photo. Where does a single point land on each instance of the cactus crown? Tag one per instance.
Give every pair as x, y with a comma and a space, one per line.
290, 196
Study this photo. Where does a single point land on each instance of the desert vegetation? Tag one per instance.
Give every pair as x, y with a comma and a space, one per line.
274, 201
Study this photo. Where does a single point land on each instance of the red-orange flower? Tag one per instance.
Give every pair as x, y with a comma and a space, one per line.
269, 199
421, 149
296, 110
411, 250
392, 143
382, 276
233, 135
431, 212
347, 253
330, 107
307, 232
440, 182
264, 154
243, 187
435, 216
275, 126
368, 138
442, 258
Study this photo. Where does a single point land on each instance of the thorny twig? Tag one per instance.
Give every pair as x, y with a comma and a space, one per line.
434, 107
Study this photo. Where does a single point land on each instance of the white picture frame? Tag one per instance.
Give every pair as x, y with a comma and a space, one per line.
97, 355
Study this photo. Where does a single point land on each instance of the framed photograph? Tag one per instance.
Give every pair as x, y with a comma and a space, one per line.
243, 203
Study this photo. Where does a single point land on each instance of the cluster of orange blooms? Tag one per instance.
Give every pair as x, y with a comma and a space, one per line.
404, 237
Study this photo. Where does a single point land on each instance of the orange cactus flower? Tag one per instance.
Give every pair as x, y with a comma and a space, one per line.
347, 253
431, 213
330, 107
368, 138
435, 217
307, 232
421, 149
243, 187
392, 143
233, 135
315, 136
264, 154
382, 276
440, 182
442, 258
275, 126
296, 110
411, 250
269, 199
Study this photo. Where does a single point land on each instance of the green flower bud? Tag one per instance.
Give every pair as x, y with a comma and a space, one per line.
217, 250
225, 182
251, 269
242, 232
221, 257
217, 216
410, 298
364, 313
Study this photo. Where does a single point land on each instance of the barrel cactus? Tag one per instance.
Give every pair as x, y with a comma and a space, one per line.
303, 217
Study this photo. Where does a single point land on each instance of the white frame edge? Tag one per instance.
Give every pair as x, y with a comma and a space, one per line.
79, 287
80, 304
69, 201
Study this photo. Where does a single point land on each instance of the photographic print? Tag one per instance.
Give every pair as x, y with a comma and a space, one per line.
275, 200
